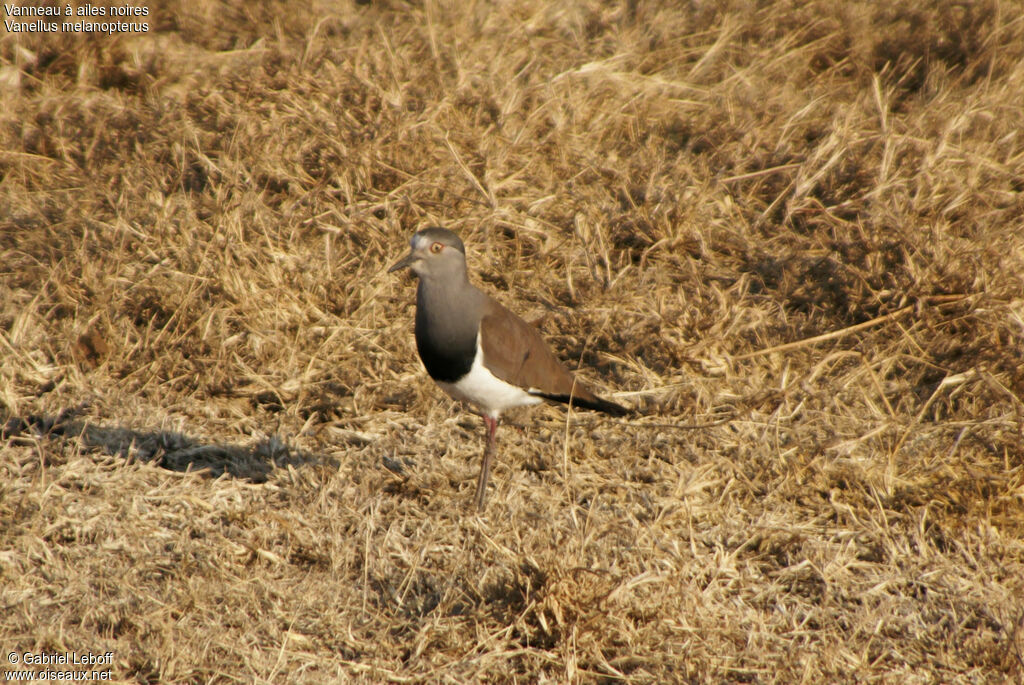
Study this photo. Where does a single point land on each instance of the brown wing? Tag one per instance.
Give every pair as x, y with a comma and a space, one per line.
516, 353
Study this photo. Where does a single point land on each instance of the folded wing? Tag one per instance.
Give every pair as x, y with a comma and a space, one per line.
516, 353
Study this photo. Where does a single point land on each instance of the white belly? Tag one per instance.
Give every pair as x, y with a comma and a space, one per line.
486, 391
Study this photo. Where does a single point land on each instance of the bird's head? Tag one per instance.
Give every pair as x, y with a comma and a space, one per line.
434, 252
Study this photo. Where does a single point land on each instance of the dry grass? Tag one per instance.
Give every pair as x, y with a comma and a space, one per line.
221, 458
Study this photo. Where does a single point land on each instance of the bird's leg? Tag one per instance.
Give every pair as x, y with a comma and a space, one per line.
485, 467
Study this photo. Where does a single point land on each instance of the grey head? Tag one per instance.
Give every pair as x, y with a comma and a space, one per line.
435, 254
448, 307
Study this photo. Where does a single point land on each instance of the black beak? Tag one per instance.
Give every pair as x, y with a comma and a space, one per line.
402, 263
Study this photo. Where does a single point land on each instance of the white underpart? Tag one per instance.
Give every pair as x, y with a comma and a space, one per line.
486, 391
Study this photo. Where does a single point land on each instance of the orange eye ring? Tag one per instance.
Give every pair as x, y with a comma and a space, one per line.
436, 248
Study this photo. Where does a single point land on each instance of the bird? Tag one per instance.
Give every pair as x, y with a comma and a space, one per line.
477, 350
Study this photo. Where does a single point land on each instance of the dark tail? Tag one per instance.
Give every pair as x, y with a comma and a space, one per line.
596, 404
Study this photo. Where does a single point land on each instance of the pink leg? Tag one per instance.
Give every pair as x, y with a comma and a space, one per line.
485, 468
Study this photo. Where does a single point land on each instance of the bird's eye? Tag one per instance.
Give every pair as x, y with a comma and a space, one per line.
436, 248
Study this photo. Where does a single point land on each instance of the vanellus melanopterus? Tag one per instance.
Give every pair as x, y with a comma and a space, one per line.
477, 350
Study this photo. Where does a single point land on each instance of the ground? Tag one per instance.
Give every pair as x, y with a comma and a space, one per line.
787, 234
